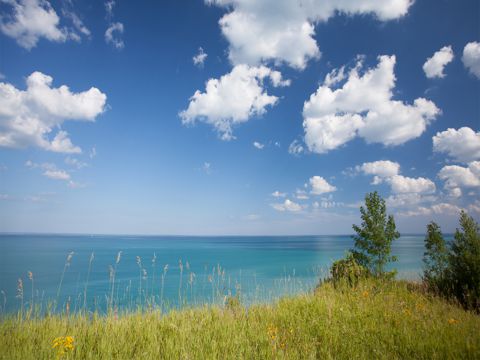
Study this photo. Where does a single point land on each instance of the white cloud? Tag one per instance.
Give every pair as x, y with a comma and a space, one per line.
364, 107
288, 205
301, 194
31, 20
435, 65
207, 167
389, 172
232, 99
462, 145
283, 31
382, 168
441, 208
75, 162
471, 58
295, 148
278, 194
113, 35
320, 185
461, 177
93, 153
28, 116
258, 145
402, 184
200, 58
57, 174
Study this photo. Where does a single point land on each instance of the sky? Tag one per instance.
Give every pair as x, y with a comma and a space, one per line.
237, 117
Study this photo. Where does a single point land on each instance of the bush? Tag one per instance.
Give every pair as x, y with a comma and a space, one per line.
347, 270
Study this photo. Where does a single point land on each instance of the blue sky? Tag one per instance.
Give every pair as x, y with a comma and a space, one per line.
286, 118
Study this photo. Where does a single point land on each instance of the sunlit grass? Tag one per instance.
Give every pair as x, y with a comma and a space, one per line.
385, 320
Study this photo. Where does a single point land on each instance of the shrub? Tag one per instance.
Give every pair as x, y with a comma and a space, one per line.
347, 270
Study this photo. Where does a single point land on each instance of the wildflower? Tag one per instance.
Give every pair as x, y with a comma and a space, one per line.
63, 345
30, 275
452, 321
407, 312
272, 332
365, 294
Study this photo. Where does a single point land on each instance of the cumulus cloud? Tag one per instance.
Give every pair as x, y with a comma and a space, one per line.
389, 172
258, 145
462, 145
382, 168
434, 65
320, 185
31, 20
441, 208
402, 184
278, 194
200, 57
27, 117
287, 205
113, 35
471, 58
461, 177
283, 31
232, 99
364, 107
57, 174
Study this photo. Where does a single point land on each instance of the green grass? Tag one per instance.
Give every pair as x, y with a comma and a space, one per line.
391, 320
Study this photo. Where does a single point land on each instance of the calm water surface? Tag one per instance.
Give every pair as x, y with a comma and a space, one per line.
258, 268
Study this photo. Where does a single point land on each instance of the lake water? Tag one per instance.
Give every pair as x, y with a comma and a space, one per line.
200, 269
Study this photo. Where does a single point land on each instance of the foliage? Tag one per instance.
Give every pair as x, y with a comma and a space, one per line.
455, 271
347, 270
435, 259
375, 236
464, 263
376, 320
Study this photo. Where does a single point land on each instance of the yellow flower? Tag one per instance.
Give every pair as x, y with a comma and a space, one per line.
365, 293
63, 345
452, 321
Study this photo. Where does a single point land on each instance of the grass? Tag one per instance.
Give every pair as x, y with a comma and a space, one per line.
375, 320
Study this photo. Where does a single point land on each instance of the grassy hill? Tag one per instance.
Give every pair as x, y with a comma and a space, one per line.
375, 320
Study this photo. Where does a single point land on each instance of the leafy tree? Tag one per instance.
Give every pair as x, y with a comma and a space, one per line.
374, 236
435, 258
464, 263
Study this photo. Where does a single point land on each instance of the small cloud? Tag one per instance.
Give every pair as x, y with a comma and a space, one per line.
253, 217
207, 167
75, 163
296, 148
57, 174
288, 205
113, 35
92, 153
278, 194
4, 197
76, 185
301, 194
199, 59
258, 145
320, 185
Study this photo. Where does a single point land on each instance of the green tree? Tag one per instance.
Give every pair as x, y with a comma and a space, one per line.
464, 263
435, 258
374, 236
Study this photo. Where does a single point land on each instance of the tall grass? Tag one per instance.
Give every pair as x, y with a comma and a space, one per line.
375, 320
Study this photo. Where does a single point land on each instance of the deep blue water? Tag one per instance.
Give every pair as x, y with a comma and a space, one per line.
258, 268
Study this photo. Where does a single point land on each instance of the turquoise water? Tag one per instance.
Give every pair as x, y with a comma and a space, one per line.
257, 268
